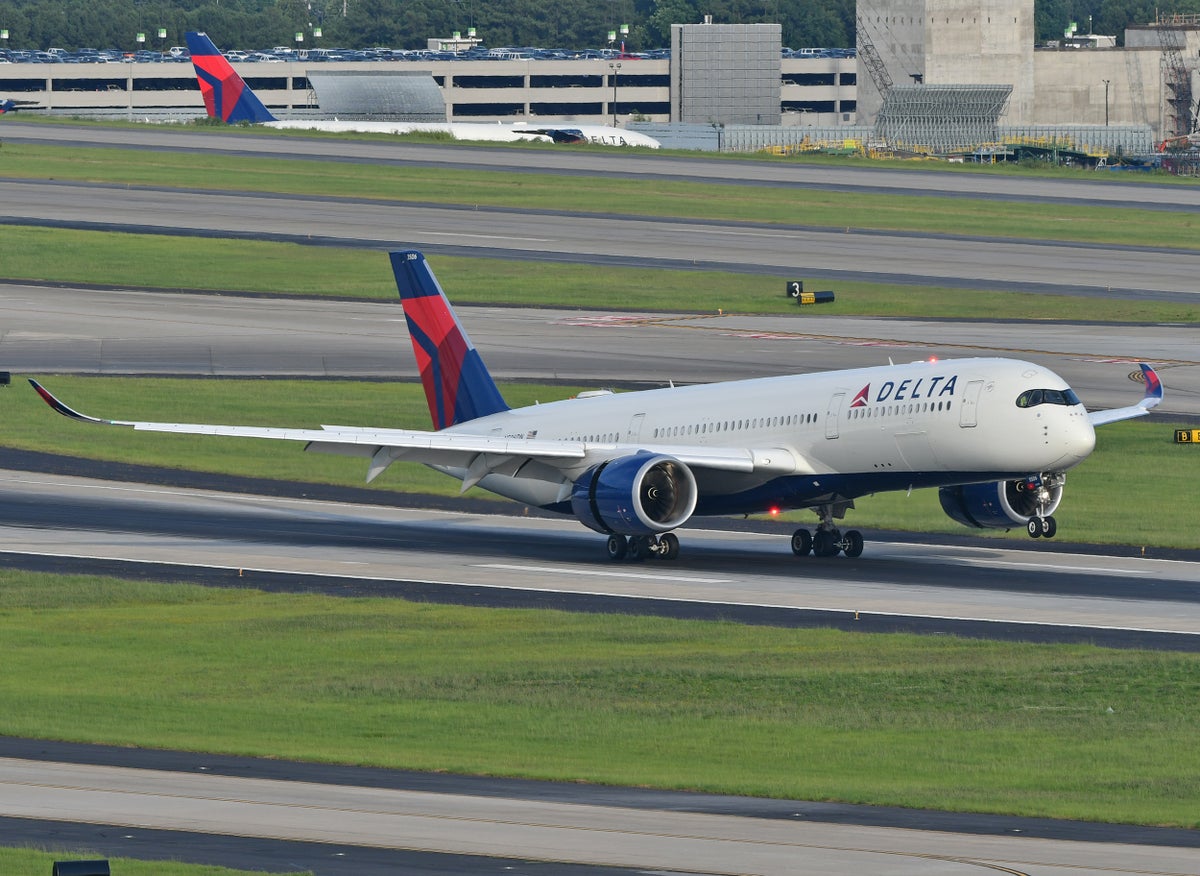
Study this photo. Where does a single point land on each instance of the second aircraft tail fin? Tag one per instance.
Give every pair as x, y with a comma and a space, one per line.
457, 384
226, 95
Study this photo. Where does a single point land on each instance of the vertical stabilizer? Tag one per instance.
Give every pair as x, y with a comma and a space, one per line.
226, 95
457, 385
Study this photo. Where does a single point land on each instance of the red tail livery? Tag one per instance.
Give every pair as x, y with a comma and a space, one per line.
226, 95
457, 385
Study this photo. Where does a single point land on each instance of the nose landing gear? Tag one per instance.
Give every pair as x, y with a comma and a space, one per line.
1041, 527
1038, 488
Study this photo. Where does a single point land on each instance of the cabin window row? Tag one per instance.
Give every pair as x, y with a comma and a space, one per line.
684, 430
898, 410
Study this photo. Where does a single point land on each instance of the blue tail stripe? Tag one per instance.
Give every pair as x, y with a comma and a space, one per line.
458, 387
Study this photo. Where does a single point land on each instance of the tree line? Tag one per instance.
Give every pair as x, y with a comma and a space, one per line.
407, 24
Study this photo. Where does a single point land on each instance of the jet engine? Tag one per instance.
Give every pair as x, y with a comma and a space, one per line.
642, 494
1003, 504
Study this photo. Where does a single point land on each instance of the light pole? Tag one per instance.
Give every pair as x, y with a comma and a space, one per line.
1105, 81
615, 67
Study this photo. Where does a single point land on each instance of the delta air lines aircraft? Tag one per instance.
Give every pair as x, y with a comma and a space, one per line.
995, 436
229, 98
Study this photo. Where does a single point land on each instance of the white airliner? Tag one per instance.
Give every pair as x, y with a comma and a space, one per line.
995, 435
229, 98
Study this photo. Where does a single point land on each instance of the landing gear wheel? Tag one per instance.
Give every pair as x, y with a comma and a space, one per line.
852, 544
1034, 527
826, 543
639, 548
668, 546
617, 547
1049, 527
802, 542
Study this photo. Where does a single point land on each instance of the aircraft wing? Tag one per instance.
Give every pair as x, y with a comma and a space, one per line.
1151, 399
450, 447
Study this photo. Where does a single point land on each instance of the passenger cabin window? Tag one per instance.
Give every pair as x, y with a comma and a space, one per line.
1031, 398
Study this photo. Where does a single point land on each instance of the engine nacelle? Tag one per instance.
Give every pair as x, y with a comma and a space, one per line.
1003, 504
642, 494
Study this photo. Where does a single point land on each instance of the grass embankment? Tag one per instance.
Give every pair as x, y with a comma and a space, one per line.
34, 862
809, 714
1086, 223
159, 261
1126, 471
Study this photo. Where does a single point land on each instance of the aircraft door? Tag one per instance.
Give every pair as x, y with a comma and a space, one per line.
834, 414
968, 417
635, 428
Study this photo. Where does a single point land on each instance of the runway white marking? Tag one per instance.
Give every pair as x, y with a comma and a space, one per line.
457, 234
604, 573
1041, 567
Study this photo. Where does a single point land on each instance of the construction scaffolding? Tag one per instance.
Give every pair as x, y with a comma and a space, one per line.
941, 118
1177, 78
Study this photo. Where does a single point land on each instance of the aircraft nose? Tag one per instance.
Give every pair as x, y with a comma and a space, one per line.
1078, 441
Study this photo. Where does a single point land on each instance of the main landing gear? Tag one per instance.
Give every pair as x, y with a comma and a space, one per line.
828, 540
643, 547
1041, 527
827, 543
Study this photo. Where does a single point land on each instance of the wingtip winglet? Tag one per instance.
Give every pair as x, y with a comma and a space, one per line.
67, 411
1154, 387
49, 399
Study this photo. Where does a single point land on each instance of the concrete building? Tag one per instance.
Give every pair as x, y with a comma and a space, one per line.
1077, 80
950, 42
726, 74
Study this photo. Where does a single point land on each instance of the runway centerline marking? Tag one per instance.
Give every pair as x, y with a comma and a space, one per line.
1013, 564
546, 570
487, 236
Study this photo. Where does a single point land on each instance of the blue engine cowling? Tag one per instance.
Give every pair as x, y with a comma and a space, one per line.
1003, 504
642, 494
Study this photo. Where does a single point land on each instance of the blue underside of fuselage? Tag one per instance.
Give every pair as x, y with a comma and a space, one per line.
807, 491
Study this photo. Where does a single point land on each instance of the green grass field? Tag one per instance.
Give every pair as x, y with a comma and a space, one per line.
164, 262
1126, 471
886, 719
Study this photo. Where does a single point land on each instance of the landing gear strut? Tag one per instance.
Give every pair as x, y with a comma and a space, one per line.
1041, 524
643, 547
828, 540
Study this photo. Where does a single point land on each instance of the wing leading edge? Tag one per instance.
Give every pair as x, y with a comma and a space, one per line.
452, 448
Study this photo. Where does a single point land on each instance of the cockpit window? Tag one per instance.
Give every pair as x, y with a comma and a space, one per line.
1033, 397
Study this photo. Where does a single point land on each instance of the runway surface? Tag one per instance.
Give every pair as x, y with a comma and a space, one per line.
646, 839
790, 250
1001, 589
49, 329
1103, 190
